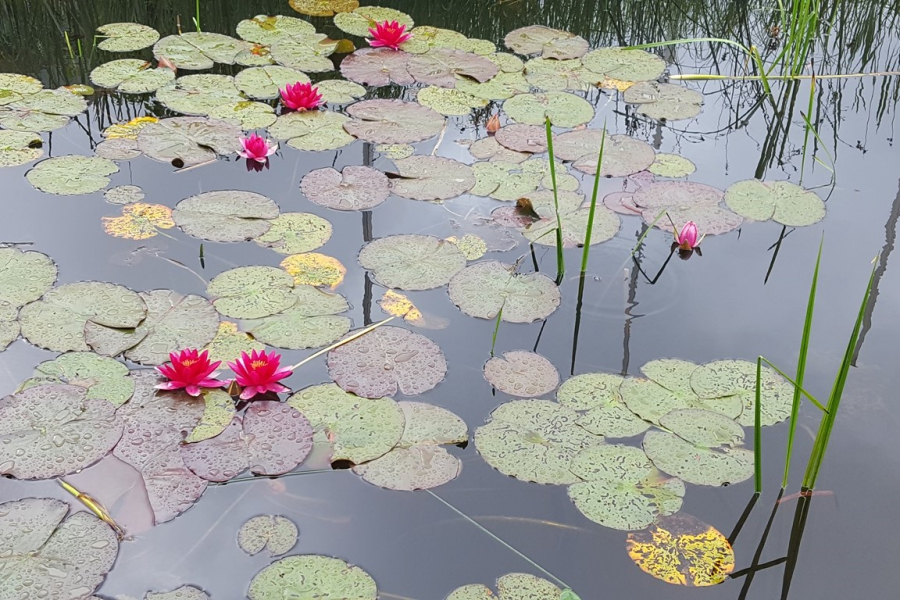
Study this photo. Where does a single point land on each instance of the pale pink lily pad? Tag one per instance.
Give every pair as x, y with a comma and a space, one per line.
377, 67
521, 373
441, 65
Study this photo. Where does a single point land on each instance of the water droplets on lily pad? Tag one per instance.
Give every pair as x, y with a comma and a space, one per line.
103, 378
311, 573
489, 149
293, 233
252, 292
265, 29
198, 50
563, 109
265, 83
312, 131
547, 42
432, 178
312, 268
441, 66
185, 592
622, 155
601, 410
338, 91
512, 586
71, 175
523, 138
781, 201
553, 74
139, 221
226, 216
188, 140
671, 165
523, 374
19, 148
24, 276
412, 262
624, 64
449, 102
377, 67
198, 95
360, 20
126, 37
664, 101
392, 122
275, 533
44, 110
312, 321
229, 342
353, 188
131, 76
737, 378
685, 201
218, 411
124, 194
484, 289
323, 8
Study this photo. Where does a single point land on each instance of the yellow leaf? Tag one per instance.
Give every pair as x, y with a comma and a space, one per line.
323, 8
128, 130
398, 305
139, 221
615, 84
229, 343
472, 246
315, 269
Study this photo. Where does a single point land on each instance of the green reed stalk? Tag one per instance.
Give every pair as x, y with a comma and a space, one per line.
807, 127
646, 231
560, 259
590, 224
197, 16
69, 45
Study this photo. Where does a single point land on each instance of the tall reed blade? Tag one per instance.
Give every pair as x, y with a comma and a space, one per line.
560, 259
590, 224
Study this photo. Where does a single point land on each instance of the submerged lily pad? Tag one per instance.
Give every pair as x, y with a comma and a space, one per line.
311, 322
781, 201
226, 216
377, 67
360, 20
563, 109
449, 102
355, 429
432, 178
622, 155
265, 83
664, 101
198, 50
523, 374
218, 412
624, 64
198, 95
71, 175
328, 578
252, 292
601, 410
44, 110
24, 276
323, 8
548, 42
311, 268
312, 131
484, 289
671, 165
411, 261
103, 378
353, 188
19, 148
229, 343
131, 76
126, 37
190, 140
393, 122
273, 532
293, 233
738, 378
441, 66
386, 360
52, 430
124, 194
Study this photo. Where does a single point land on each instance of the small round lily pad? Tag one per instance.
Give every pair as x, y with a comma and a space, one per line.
412, 262
293, 233
103, 378
24, 276
273, 532
360, 20
71, 175
312, 131
131, 76
19, 148
328, 578
671, 165
484, 289
547, 42
353, 188
392, 122
126, 37
624, 64
601, 410
563, 109
523, 374
664, 101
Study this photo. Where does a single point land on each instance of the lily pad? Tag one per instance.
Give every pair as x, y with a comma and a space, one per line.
664, 101
126, 37
71, 175
548, 42
360, 20
293, 233
781, 201
309, 55
513, 586
338, 91
57, 321
353, 188
312, 131
37, 542
185, 592
601, 410
19, 148
198, 50
131, 76
500, 87
45, 110
245, 114
504, 181
484, 289
412, 262
387, 360
523, 138
14, 87
563, 109
355, 429
426, 38
738, 378
323, 8
671, 165
118, 149
273, 532
311, 322
523, 374
440, 67
139, 221
226, 216
270, 439
9, 324
188, 140
393, 122
218, 412
53, 430
432, 178
395, 151
265, 29
676, 195
198, 95
574, 227
534, 440
377, 67
307, 574
624, 64
449, 102
252, 292
553, 74
311, 268
230, 342
489, 149
265, 83
472, 246
103, 378
622, 155
24, 276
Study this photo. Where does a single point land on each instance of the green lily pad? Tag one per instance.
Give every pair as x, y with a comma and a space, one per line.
440, 67
507, 63
574, 227
393, 122
273, 532
513, 586
103, 378
229, 343
534, 440
57, 321
226, 216
624, 64
489, 149
293, 233
266, 83
484, 289
323, 8
432, 178
14, 87
472, 246
355, 429
131, 76
338, 91
218, 412
548, 42
360, 20
601, 410
522, 374
621, 489
71, 175
500, 87
671, 165
24, 276
197, 95
504, 181
377, 67
9, 324
45, 110
622, 155
328, 578
245, 114
426, 38
19, 148
311, 322
198, 50
781, 201
738, 378
563, 109
126, 37
312, 131
188, 141
553, 74
309, 55
252, 292
449, 102
412, 262
664, 101
266, 30
354, 188
522, 138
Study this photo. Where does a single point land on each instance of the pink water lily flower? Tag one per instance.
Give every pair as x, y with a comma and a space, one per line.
259, 373
689, 238
388, 34
301, 96
257, 148
191, 371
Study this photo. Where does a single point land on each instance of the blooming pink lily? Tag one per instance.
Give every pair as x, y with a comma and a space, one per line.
689, 238
388, 34
301, 96
191, 371
257, 148
259, 373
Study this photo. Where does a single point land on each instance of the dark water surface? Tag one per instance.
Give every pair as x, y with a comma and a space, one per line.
711, 307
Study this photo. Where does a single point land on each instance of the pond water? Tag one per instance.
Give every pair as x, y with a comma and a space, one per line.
745, 296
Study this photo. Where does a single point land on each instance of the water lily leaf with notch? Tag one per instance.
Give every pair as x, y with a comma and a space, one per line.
173, 322
226, 216
675, 195
484, 289
412, 261
266, 30
387, 360
489, 149
252, 292
312, 321
507, 63
245, 114
548, 42
523, 374
738, 378
71, 175
265, 83
9, 324
45, 110
52, 430
19, 148
24, 276
293, 233
306, 574
356, 429
425, 38
273, 532
622, 489
601, 410
198, 50
271, 439
126, 37
622, 155
432, 178
393, 122
418, 462
139, 221
312, 131
190, 140
103, 378
218, 412
574, 226
359, 21
711, 220
449, 102
37, 542
563, 109
229, 343
534, 440
624, 64
57, 321
552, 74
311, 268
440, 67
338, 91
671, 165
781, 201
131, 76
500, 87
703, 452
472, 246
14, 87
513, 586
197, 95
664, 101
523, 138
128, 130
309, 54
377, 67
353, 188
323, 8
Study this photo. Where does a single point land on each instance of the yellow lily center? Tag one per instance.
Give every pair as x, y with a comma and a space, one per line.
258, 363
188, 362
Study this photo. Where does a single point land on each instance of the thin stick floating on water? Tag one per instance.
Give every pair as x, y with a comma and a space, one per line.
342, 342
275, 477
